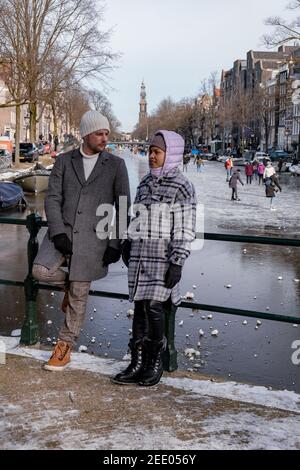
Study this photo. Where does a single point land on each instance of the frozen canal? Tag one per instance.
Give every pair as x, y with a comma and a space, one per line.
240, 352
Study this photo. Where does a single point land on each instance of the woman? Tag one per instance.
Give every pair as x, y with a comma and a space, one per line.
155, 252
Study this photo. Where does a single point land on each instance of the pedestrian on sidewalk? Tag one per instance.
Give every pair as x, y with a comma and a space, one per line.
236, 176
80, 181
280, 163
249, 172
185, 161
56, 143
260, 172
229, 168
269, 171
155, 257
255, 167
272, 184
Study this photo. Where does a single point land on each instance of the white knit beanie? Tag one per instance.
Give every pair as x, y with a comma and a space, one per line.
93, 121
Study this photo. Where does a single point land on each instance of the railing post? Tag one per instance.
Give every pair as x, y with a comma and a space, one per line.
29, 334
170, 355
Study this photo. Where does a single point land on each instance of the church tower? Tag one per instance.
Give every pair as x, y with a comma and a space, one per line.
143, 105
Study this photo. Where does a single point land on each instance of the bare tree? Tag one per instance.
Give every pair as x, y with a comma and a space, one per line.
225, 114
211, 108
11, 66
241, 107
101, 103
284, 31
163, 117
77, 102
60, 32
266, 109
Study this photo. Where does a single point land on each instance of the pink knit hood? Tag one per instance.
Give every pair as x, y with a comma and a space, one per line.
174, 152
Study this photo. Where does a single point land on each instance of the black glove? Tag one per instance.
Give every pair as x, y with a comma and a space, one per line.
63, 244
173, 275
125, 249
111, 255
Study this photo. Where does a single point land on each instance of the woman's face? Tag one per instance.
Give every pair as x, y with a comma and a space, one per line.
156, 157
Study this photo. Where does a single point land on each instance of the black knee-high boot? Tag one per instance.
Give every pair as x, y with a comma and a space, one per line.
139, 330
153, 364
132, 373
153, 344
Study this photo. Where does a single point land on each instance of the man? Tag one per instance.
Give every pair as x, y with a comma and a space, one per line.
228, 167
80, 182
236, 176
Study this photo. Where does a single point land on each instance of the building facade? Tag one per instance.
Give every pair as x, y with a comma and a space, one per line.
272, 73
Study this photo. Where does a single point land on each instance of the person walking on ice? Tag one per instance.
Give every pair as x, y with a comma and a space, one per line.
199, 163
271, 184
269, 171
236, 176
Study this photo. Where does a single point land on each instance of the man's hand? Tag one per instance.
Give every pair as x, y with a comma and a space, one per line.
173, 275
111, 255
125, 249
63, 244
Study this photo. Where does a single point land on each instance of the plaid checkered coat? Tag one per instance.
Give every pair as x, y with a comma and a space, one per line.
155, 246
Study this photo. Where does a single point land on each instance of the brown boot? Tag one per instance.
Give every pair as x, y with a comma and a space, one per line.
60, 358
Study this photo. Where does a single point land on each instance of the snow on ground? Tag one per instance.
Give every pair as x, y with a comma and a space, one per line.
222, 432
283, 400
280, 399
80, 411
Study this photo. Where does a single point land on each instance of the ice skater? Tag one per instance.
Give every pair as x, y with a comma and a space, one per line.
236, 176
271, 190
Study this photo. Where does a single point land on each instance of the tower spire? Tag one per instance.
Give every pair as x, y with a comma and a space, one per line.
143, 104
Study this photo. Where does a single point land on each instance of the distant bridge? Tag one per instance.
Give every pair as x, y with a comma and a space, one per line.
122, 142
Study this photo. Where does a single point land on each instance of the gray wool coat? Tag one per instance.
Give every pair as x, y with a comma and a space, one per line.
71, 205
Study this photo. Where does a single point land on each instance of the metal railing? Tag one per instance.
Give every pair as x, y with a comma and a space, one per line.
30, 335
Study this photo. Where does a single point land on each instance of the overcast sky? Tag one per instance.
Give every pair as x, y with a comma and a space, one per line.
174, 44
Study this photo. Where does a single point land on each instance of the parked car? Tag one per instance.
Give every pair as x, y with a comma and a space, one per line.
249, 155
28, 152
212, 157
262, 159
277, 154
286, 166
239, 161
41, 148
260, 155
